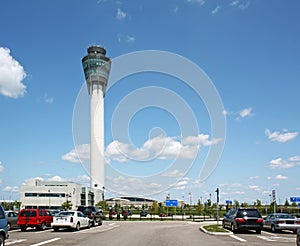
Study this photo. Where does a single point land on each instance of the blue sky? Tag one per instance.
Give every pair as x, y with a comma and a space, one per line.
248, 48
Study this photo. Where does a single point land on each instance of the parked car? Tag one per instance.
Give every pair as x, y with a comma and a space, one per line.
93, 213
70, 219
3, 227
281, 221
298, 238
34, 218
12, 219
243, 219
112, 212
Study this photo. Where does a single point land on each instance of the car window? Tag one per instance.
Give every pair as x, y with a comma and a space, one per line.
28, 213
248, 213
2, 215
66, 213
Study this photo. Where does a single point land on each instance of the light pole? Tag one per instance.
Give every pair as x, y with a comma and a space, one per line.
49, 198
217, 191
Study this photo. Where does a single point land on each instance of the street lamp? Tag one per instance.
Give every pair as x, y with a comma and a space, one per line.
217, 191
103, 193
49, 198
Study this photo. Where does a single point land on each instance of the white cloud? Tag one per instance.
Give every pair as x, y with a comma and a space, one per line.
80, 154
244, 6
281, 177
48, 99
216, 10
1, 167
56, 178
280, 163
121, 15
281, 137
175, 10
234, 3
254, 177
254, 187
160, 147
199, 2
134, 186
11, 75
11, 189
247, 112
172, 174
130, 39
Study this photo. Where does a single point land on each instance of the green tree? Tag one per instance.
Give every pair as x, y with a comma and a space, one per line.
102, 204
286, 203
236, 203
67, 205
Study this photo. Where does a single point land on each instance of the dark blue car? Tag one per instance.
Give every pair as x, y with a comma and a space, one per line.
3, 226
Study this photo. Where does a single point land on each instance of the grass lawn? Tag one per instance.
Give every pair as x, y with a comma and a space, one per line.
215, 228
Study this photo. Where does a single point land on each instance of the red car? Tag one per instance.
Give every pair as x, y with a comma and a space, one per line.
34, 218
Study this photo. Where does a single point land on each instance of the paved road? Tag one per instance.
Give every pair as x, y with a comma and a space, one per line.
146, 233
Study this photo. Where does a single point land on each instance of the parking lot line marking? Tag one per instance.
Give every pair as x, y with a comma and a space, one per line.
266, 239
238, 238
269, 233
45, 242
15, 241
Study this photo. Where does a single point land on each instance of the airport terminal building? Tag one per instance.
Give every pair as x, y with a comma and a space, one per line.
52, 194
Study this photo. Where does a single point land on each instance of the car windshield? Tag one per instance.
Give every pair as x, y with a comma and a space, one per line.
248, 213
28, 213
284, 216
65, 214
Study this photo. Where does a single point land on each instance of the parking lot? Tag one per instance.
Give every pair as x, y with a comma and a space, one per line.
145, 233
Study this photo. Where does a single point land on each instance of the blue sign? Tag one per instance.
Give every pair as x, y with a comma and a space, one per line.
298, 205
295, 199
228, 202
171, 203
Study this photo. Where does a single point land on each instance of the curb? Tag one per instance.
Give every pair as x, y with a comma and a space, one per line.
215, 233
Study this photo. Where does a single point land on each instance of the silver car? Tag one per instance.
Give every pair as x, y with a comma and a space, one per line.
281, 221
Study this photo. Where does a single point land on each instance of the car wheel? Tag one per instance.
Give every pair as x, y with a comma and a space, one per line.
232, 228
2, 240
94, 222
223, 224
273, 229
43, 226
258, 231
8, 226
77, 226
55, 228
23, 228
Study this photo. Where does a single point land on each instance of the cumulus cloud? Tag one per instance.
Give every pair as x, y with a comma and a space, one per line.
121, 15
11, 75
80, 154
172, 174
280, 177
280, 163
160, 147
1, 167
11, 189
247, 112
216, 10
56, 178
128, 185
283, 137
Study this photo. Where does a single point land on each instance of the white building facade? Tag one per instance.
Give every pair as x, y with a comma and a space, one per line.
52, 194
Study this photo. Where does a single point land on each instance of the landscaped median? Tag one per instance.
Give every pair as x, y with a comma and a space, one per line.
214, 229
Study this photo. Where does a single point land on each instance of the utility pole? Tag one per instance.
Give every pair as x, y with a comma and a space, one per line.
217, 190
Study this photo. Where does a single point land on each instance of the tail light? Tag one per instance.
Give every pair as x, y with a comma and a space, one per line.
71, 219
280, 222
298, 222
259, 220
91, 214
240, 220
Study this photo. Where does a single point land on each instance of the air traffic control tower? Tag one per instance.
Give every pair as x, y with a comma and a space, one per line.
96, 68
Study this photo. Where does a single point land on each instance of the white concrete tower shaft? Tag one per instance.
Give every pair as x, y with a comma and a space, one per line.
96, 69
